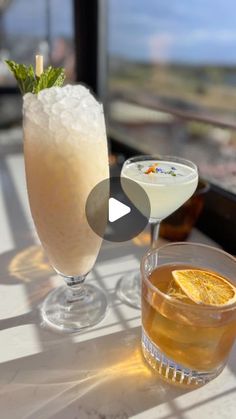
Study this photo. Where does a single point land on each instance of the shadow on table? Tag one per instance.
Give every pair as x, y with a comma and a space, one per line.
29, 267
100, 377
103, 377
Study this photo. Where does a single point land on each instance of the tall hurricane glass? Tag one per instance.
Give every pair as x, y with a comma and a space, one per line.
168, 181
65, 149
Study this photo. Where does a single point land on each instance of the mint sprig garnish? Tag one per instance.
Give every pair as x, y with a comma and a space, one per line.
52, 76
24, 76
29, 82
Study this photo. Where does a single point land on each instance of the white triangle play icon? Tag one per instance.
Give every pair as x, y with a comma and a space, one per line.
117, 210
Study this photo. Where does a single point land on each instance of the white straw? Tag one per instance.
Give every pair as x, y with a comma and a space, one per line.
38, 65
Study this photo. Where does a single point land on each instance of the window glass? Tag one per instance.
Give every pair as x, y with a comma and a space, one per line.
29, 27
172, 81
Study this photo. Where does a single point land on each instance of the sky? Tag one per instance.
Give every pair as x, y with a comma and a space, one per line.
28, 17
194, 31
174, 30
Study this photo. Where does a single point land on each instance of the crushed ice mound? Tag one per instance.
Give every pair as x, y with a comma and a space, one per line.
65, 111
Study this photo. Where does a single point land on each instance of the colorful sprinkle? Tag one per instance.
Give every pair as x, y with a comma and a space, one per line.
151, 169
154, 169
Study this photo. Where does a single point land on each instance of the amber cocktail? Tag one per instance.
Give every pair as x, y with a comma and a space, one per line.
188, 311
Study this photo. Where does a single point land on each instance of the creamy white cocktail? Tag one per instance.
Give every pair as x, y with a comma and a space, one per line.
168, 181
167, 184
66, 155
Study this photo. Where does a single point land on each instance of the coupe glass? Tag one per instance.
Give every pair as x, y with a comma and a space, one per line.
166, 192
186, 343
65, 149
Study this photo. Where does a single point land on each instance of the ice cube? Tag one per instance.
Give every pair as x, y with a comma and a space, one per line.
71, 107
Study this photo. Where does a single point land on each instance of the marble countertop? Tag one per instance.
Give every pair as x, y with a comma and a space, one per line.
99, 373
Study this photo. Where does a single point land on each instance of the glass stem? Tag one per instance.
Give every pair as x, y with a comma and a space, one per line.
75, 287
155, 227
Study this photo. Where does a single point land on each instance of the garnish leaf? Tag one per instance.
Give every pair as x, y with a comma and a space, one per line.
50, 77
29, 82
24, 75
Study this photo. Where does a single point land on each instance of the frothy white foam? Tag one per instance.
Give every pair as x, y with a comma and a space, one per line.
166, 172
62, 111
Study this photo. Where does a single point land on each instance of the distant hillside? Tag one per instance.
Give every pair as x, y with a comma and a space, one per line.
209, 88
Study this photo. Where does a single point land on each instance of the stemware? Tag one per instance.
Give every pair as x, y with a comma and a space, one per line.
168, 181
65, 149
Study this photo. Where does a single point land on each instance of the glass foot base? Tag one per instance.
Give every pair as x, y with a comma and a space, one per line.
129, 290
170, 370
63, 312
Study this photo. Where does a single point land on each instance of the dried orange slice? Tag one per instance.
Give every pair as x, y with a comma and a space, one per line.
205, 287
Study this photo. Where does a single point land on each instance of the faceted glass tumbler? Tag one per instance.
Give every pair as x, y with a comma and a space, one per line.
186, 344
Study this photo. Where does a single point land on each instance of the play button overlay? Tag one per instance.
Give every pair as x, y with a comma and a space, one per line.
118, 209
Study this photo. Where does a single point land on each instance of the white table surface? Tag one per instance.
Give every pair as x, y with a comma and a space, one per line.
99, 373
